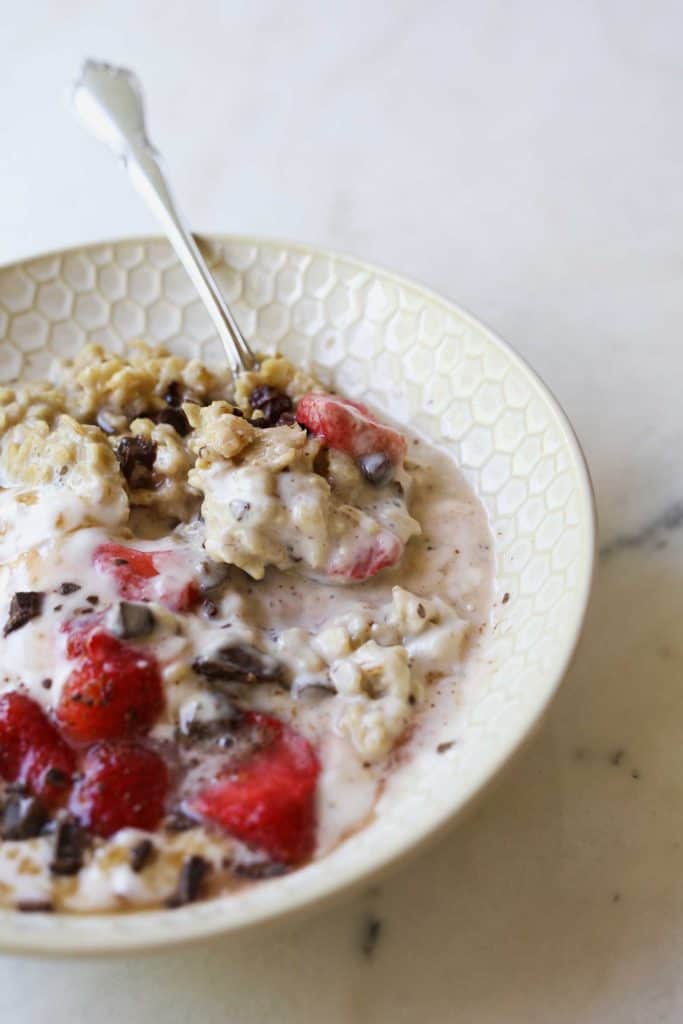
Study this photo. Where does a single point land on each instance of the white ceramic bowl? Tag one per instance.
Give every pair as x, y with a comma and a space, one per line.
427, 363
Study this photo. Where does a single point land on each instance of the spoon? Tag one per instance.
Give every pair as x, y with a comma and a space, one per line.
108, 101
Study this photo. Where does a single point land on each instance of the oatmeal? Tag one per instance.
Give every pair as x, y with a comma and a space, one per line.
223, 606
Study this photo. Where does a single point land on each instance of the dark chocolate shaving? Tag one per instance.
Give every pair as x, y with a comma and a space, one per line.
259, 869
22, 817
68, 588
136, 457
271, 402
142, 854
132, 620
239, 663
175, 418
376, 467
24, 606
35, 906
67, 857
173, 394
192, 876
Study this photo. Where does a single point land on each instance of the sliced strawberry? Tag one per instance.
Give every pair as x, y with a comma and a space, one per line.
148, 575
379, 552
349, 427
78, 632
123, 785
268, 798
115, 692
32, 751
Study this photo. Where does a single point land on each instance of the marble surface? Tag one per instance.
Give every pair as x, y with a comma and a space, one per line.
524, 160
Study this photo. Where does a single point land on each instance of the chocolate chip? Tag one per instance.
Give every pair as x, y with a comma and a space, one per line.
142, 854
239, 509
173, 394
46, 684
23, 817
239, 663
24, 606
259, 869
35, 906
175, 418
443, 747
192, 876
178, 821
67, 855
136, 457
92, 599
505, 598
375, 467
421, 610
68, 588
56, 777
131, 620
271, 402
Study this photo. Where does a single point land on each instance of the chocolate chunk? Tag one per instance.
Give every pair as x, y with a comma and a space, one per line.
270, 401
173, 394
136, 457
192, 875
259, 869
238, 412
24, 606
239, 509
23, 817
67, 856
375, 467
175, 418
142, 854
239, 663
218, 731
35, 906
178, 821
131, 620
68, 588
56, 777
92, 599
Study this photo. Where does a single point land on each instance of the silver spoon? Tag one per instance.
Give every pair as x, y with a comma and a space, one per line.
108, 101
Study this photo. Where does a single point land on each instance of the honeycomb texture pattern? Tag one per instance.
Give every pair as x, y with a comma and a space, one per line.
425, 362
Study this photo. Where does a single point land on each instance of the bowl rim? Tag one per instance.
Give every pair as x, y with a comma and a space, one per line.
189, 927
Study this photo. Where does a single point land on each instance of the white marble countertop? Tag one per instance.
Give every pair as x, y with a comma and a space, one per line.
524, 159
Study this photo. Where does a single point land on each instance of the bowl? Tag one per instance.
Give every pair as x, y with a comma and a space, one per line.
424, 361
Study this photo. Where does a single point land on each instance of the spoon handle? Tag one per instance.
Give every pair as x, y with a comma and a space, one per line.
108, 101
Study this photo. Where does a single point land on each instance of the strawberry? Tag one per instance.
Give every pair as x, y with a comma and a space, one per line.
267, 799
148, 575
78, 632
123, 785
32, 751
115, 692
379, 552
349, 427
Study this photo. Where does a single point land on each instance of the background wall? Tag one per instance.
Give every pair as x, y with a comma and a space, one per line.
524, 159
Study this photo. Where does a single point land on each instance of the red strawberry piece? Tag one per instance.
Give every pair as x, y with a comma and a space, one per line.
78, 632
148, 575
123, 785
115, 692
349, 427
267, 799
380, 552
32, 751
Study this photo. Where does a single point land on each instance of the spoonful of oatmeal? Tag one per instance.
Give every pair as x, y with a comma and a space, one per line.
108, 101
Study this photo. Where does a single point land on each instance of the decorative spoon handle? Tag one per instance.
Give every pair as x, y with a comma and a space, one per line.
108, 101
